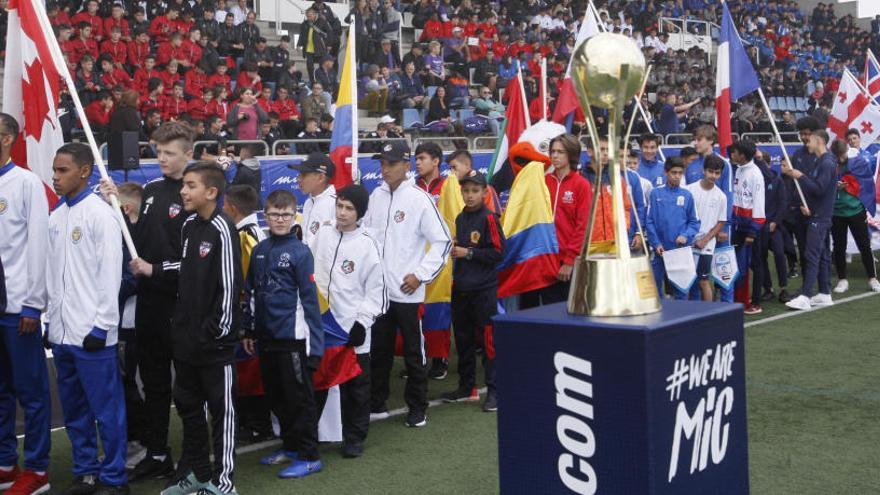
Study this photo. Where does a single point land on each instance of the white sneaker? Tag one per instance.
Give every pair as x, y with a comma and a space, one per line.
848, 258
874, 284
801, 302
842, 286
821, 300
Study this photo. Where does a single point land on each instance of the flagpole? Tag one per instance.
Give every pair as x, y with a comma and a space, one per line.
352, 81
52, 42
592, 7
522, 92
767, 111
544, 86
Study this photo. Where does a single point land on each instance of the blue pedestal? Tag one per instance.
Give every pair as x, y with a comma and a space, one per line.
652, 404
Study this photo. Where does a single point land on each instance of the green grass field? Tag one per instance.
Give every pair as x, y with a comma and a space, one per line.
813, 406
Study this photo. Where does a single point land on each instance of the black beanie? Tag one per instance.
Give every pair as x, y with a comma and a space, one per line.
358, 196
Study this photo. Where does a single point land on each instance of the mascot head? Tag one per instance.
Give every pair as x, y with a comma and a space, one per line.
534, 146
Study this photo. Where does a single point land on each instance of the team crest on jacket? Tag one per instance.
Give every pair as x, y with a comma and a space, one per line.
347, 266
313, 228
205, 248
3, 205
399, 216
475, 236
76, 235
284, 260
568, 197
173, 210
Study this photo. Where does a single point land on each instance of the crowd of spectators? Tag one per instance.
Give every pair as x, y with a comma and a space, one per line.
208, 63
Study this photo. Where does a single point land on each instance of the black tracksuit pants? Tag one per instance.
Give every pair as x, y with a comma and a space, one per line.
153, 334
135, 408
471, 312
355, 402
287, 381
858, 225
552, 294
214, 385
403, 316
771, 243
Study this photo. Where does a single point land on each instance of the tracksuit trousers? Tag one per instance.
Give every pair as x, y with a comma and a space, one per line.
355, 402
858, 225
153, 334
766, 243
135, 408
287, 381
23, 378
405, 317
744, 262
551, 294
199, 390
90, 389
471, 312
817, 258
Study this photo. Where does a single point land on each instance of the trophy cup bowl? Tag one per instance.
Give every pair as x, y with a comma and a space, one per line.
607, 71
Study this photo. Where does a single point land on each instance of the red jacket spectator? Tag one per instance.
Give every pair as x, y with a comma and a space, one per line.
489, 30
149, 103
172, 107
195, 81
116, 77
570, 199
142, 78
122, 24
80, 47
478, 51
286, 109
433, 30
219, 108
117, 50
168, 51
251, 80
470, 29
546, 49
137, 52
161, 28
98, 114
218, 79
198, 107
520, 46
96, 22
265, 104
61, 18
168, 79
192, 53
499, 49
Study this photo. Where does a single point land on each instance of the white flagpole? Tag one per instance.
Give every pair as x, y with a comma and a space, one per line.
351, 59
544, 86
644, 114
522, 92
58, 59
769, 114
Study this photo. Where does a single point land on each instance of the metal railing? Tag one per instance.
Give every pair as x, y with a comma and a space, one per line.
686, 137
493, 141
689, 26
233, 142
447, 143
768, 137
104, 147
327, 142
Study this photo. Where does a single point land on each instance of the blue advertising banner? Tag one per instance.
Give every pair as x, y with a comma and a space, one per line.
651, 404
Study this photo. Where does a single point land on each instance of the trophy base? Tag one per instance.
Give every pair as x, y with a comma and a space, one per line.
613, 287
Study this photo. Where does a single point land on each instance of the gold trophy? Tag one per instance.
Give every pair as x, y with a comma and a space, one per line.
607, 72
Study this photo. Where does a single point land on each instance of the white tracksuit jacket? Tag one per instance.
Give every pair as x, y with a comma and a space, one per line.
318, 211
24, 216
348, 271
85, 270
404, 223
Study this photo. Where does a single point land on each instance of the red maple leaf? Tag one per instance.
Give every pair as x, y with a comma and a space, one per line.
33, 92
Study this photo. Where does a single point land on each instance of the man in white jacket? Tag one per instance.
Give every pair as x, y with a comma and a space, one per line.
319, 209
83, 278
348, 271
414, 243
24, 214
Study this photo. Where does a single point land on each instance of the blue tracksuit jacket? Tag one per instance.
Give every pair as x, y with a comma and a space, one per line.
671, 213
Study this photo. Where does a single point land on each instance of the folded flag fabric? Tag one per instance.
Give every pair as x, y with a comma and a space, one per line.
531, 258
339, 363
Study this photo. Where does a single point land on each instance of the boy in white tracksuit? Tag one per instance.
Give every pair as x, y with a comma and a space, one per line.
748, 214
414, 243
83, 278
319, 209
348, 271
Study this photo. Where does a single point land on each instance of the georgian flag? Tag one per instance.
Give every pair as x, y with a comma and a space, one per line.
853, 109
31, 88
872, 76
734, 78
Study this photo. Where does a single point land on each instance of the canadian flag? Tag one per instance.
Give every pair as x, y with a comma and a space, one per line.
31, 87
853, 109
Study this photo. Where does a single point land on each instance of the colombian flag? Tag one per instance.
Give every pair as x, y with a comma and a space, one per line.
531, 253
343, 141
339, 363
438, 294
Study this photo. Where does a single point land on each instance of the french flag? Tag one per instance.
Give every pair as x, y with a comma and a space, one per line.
872, 76
343, 141
567, 103
735, 77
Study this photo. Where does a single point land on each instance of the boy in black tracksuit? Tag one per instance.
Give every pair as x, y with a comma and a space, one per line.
280, 278
206, 319
479, 247
770, 238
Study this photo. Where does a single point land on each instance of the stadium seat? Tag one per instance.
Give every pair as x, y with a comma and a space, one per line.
411, 116
774, 103
431, 91
790, 103
465, 113
802, 104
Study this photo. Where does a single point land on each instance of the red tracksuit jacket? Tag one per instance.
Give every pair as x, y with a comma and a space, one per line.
570, 200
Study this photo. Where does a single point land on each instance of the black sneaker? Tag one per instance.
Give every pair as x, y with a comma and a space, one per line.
767, 295
491, 403
792, 271
439, 367
403, 374
152, 468
416, 419
112, 490
352, 450
82, 485
784, 296
461, 395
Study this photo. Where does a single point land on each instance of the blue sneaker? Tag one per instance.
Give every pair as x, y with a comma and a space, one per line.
278, 457
300, 469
